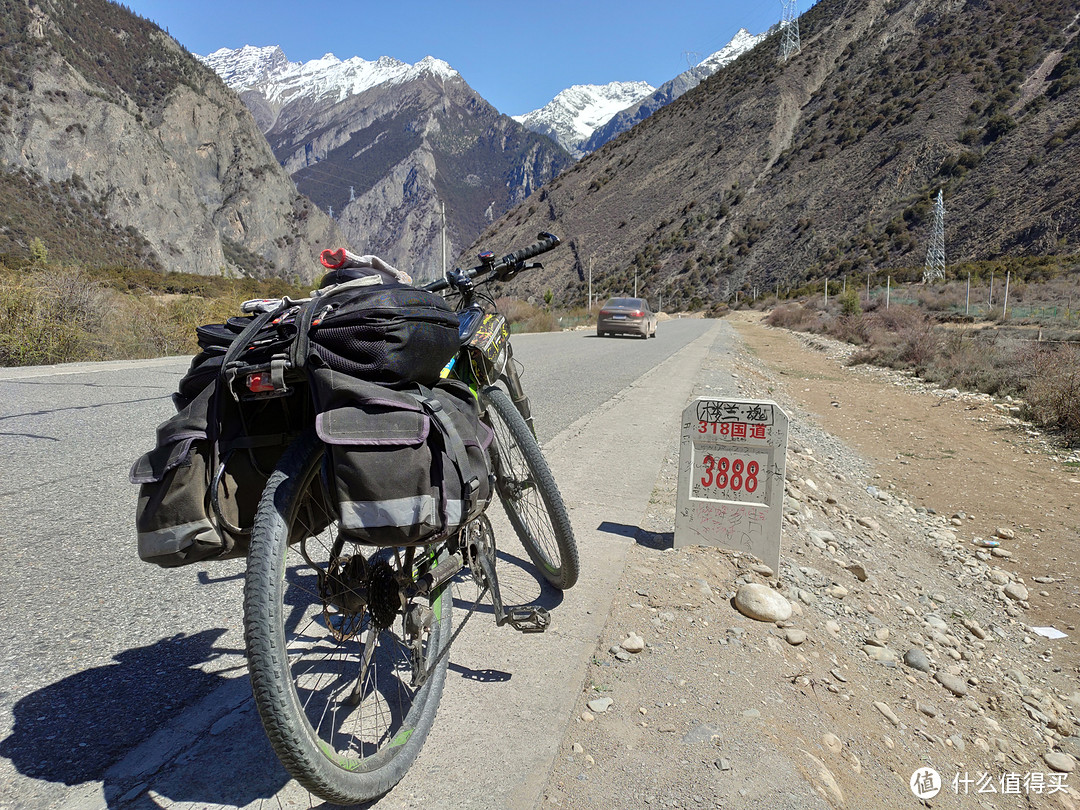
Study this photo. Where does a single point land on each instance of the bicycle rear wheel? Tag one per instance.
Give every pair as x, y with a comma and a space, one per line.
346, 684
528, 492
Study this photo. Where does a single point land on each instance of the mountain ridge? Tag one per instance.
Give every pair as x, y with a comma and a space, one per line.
130, 131
772, 173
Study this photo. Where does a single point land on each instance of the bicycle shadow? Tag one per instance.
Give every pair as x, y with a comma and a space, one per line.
126, 726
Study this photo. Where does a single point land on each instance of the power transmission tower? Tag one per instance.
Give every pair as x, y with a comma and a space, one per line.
935, 253
789, 41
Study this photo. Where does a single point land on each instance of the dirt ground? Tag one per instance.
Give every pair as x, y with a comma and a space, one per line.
949, 453
910, 654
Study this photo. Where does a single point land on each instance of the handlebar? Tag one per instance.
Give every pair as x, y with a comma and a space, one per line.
505, 268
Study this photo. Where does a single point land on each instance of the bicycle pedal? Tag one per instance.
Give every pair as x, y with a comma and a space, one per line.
529, 619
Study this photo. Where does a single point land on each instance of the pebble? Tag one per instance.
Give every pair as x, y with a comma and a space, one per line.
762, 603
832, 743
916, 659
953, 683
1005, 534
858, 571
761, 568
890, 715
1016, 591
633, 643
1062, 763
794, 637
577, 748
929, 709
833, 627
883, 655
600, 705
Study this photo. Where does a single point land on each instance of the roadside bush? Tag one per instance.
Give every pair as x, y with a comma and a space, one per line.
1052, 388
794, 316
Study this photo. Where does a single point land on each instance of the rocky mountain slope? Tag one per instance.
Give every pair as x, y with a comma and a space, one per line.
386, 146
142, 153
742, 42
574, 115
770, 172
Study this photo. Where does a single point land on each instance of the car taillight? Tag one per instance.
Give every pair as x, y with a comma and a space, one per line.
637, 313
604, 313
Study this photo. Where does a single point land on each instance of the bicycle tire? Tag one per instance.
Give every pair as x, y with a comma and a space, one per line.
302, 675
529, 494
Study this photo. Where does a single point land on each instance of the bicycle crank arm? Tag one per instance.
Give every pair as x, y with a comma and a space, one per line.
526, 618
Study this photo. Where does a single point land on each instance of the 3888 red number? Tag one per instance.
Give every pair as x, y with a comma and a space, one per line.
734, 474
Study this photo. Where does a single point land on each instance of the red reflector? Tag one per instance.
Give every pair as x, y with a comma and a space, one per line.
260, 382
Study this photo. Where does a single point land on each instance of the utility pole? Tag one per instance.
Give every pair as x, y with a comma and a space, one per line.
592, 261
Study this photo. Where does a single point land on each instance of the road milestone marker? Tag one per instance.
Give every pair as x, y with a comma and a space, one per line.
732, 457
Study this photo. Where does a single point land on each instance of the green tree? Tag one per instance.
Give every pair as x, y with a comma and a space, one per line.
39, 254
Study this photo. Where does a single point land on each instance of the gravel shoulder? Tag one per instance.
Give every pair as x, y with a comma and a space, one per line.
909, 647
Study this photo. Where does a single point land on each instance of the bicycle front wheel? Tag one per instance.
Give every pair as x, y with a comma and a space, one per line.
347, 680
528, 492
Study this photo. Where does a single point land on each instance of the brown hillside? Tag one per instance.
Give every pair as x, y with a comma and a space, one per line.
773, 173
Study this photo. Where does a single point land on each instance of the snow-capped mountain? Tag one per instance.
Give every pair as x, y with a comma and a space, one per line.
575, 113
623, 120
382, 145
280, 81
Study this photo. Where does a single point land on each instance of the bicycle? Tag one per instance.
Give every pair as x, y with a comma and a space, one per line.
348, 646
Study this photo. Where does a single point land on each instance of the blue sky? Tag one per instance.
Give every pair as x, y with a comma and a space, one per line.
517, 55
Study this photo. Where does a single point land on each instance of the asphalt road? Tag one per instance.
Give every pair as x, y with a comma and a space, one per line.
123, 685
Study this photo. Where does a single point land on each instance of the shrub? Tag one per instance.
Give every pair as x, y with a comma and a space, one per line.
1052, 388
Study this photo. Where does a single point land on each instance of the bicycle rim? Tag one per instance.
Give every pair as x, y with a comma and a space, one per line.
331, 668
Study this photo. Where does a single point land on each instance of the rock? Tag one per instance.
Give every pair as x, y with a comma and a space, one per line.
794, 637
929, 709
600, 705
587, 717
837, 591
953, 683
975, 629
916, 659
577, 748
882, 655
1062, 763
1016, 591
868, 523
833, 628
890, 715
857, 571
761, 568
762, 603
633, 643
1005, 534
998, 577
832, 743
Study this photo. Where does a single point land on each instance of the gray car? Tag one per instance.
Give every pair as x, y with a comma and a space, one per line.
626, 316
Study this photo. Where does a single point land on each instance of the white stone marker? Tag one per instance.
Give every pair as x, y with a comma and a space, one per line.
732, 457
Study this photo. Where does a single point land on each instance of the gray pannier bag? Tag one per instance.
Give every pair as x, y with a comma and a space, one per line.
407, 466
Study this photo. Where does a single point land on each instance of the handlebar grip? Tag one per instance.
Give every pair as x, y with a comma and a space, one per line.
545, 242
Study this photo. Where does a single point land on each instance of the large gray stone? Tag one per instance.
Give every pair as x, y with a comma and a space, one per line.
762, 603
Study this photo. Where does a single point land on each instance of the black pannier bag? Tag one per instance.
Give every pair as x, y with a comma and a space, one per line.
200, 487
407, 466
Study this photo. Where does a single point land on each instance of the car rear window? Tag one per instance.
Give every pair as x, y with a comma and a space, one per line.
624, 302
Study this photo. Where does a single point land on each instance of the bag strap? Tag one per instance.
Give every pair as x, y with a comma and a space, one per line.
470, 487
